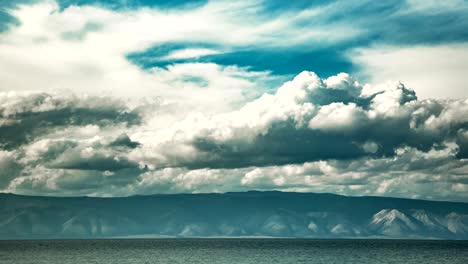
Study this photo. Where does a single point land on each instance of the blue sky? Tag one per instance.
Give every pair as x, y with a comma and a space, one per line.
353, 97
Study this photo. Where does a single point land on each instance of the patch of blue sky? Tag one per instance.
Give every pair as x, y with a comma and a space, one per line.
325, 62
155, 56
7, 20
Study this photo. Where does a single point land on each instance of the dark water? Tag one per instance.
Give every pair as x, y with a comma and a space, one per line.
233, 251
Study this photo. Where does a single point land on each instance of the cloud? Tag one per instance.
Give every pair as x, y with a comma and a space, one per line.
124, 141
410, 173
307, 119
417, 66
345, 117
435, 6
90, 158
436, 174
9, 168
189, 54
25, 116
312, 134
84, 48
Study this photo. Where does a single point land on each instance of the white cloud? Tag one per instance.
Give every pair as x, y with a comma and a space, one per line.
272, 128
432, 71
83, 49
338, 117
189, 53
434, 6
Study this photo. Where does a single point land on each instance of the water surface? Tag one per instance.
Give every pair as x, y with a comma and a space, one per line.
233, 251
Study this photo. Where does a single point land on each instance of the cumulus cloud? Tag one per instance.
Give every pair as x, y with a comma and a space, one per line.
59, 134
306, 119
24, 116
426, 68
312, 134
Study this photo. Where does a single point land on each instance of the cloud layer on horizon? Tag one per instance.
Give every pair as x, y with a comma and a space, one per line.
313, 134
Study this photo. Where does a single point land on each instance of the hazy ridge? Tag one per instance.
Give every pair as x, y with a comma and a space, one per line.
267, 214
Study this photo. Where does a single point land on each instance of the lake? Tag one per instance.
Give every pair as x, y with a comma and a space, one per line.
233, 251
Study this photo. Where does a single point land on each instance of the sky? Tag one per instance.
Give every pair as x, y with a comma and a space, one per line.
118, 98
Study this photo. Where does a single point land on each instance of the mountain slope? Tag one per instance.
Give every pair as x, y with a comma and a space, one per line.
253, 213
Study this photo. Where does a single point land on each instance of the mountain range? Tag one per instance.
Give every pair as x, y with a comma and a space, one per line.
239, 214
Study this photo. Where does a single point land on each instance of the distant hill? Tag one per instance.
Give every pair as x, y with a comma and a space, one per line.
273, 214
